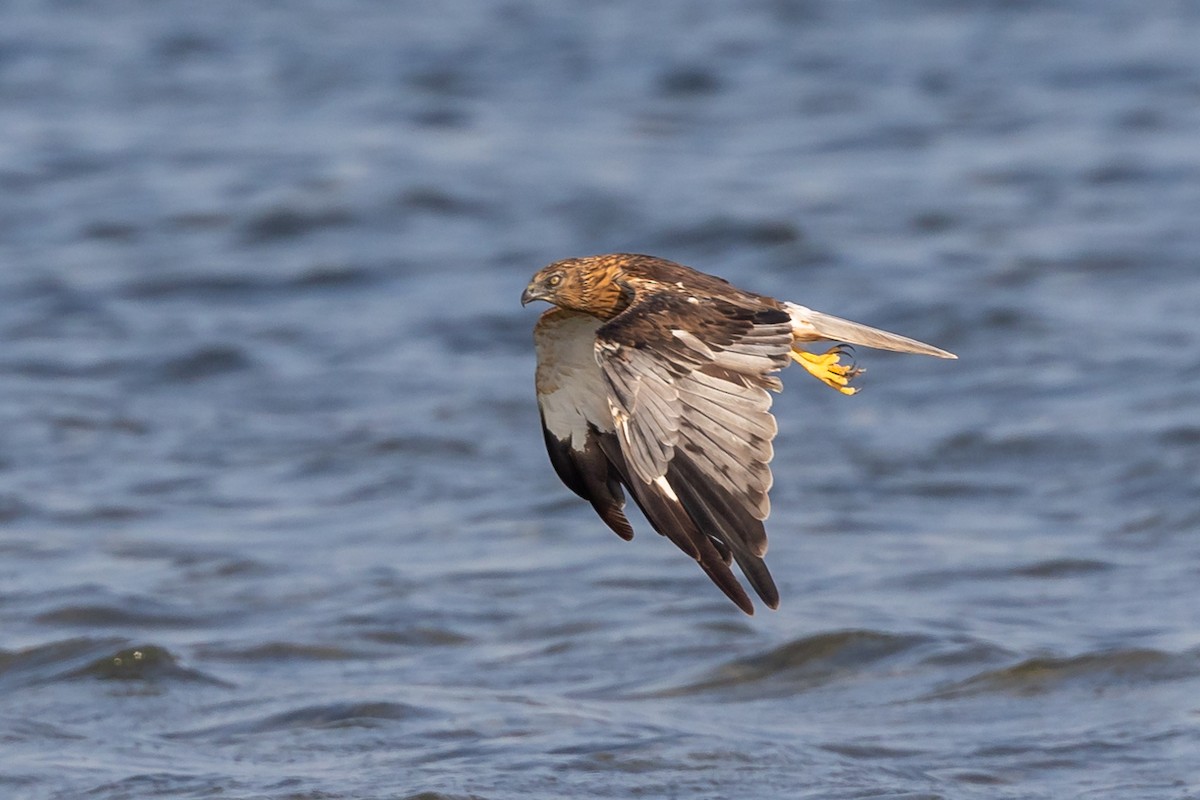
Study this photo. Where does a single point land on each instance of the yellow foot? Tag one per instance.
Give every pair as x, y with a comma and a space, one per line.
828, 368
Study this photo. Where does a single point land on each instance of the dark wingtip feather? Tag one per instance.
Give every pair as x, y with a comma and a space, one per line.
755, 570
615, 519
723, 549
671, 520
721, 575
669, 517
747, 607
713, 512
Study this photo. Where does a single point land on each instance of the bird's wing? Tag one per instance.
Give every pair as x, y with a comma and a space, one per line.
573, 401
584, 448
687, 382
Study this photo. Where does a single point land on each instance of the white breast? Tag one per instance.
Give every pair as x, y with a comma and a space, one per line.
571, 390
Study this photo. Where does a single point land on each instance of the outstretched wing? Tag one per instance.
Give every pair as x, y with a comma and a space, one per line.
687, 382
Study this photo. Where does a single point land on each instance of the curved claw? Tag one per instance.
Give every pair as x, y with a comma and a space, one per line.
850, 353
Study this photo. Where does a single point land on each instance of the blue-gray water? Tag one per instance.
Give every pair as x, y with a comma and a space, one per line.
277, 520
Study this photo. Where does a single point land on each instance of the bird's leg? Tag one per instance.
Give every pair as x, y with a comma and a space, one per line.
828, 368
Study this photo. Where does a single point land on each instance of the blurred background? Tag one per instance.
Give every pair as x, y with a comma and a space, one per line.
277, 518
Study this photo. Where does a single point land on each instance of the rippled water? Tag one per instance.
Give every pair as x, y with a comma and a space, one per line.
277, 521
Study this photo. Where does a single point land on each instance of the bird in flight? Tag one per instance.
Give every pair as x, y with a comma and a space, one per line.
652, 378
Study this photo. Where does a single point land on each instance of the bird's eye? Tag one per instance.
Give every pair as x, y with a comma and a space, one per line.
555, 280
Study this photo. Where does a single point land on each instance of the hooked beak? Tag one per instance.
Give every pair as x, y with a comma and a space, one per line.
532, 292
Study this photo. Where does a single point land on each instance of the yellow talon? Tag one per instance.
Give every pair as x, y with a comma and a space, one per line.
828, 368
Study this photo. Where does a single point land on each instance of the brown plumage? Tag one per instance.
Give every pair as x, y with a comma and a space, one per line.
653, 378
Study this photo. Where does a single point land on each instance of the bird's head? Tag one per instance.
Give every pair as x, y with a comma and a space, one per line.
591, 285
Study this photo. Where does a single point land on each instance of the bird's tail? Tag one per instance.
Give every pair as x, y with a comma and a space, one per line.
811, 326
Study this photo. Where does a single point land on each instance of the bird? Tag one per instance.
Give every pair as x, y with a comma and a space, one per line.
655, 379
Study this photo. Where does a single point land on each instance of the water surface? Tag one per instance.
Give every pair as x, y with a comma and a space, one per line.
277, 521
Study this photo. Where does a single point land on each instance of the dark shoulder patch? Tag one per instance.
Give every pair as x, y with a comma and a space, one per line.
771, 316
684, 278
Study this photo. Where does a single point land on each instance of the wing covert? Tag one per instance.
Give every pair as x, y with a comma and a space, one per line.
688, 390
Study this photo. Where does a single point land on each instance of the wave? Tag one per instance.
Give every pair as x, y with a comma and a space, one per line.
329, 715
803, 664
99, 659
1097, 672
